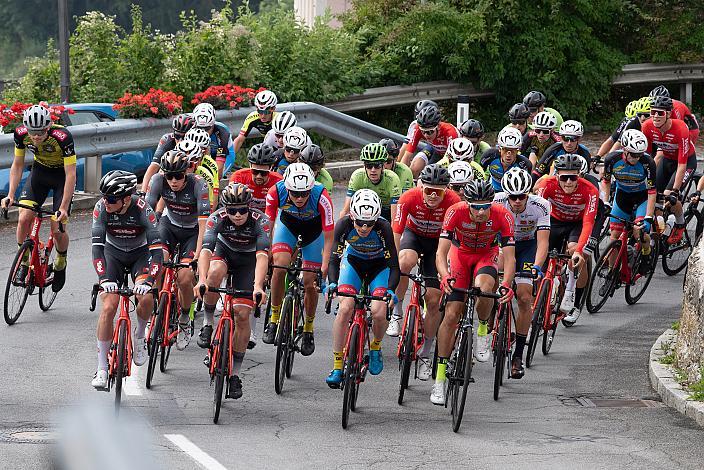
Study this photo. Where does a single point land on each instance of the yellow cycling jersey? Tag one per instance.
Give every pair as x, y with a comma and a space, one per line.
477, 169
56, 151
208, 170
254, 121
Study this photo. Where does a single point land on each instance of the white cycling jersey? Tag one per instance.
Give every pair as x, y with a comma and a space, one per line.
536, 216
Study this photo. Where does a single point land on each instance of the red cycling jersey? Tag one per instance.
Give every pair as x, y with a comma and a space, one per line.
446, 132
244, 176
579, 206
681, 111
675, 144
472, 237
412, 213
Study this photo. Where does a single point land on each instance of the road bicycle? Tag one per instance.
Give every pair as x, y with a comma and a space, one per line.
676, 255
502, 343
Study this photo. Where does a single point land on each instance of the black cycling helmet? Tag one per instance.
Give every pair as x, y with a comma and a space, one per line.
423, 103
478, 190
174, 161
235, 194
183, 123
435, 174
312, 155
661, 102
534, 100
392, 147
428, 117
118, 183
261, 154
568, 161
518, 112
659, 90
472, 128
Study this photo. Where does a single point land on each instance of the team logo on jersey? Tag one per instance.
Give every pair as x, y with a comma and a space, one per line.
48, 148
59, 135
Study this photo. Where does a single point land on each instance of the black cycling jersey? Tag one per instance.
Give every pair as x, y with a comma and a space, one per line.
249, 237
185, 207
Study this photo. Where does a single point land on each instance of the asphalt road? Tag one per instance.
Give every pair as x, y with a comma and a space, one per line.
48, 359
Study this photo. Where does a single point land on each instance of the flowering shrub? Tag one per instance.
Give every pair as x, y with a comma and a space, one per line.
11, 115
155, 103
227, 96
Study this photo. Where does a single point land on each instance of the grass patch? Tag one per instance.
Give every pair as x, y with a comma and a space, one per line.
668, 359
675, 326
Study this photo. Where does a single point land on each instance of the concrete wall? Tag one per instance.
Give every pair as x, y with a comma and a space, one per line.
307, 10
690, 339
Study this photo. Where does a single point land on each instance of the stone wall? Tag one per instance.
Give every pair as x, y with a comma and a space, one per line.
690, 339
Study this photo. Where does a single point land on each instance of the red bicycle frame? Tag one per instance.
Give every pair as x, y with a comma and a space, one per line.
556, 264
112, 358
419, 328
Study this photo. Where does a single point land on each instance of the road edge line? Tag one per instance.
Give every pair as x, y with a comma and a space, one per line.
195, 452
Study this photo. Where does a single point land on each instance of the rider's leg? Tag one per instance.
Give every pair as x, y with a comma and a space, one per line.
105, 328
216, 273
242, 329
524, 295
407, 258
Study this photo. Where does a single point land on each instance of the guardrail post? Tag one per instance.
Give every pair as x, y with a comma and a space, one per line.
686, 93
92, 173
462, 109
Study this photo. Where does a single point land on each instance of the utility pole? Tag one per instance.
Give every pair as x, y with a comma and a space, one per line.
63, 51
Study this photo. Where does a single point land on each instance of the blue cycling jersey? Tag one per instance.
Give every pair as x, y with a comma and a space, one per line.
491, 162
311, 210
630, 178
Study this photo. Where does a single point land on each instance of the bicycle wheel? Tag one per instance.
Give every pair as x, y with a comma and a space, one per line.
602, 239
16, 293
674, 257
46, 294
120, 367
500, 354
536, 324
635, 290
603, 279
406, 352
172, 318
462, 373
155, 339
222, 369
349, 375
282, 344
296, 335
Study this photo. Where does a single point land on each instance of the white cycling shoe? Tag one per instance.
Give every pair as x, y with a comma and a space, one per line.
437, 396
394, 328
482, 352
567, 304
425, 368
139, 353
100, 380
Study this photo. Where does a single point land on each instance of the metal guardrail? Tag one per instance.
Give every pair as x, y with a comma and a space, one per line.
660, 73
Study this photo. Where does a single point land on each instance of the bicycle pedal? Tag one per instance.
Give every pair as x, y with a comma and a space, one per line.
206, 361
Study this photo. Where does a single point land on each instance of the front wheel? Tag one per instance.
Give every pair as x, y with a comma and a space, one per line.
674, 257
221, 369
120, 367
349, 375
536, 325
171, 328
461, 377
603, 279
46, 293
500, 354
639, 282
406, 350
283, 334
155, 339
17, 290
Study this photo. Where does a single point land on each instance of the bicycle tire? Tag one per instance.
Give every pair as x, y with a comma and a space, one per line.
595, 304
632, 294
349, 376
155, 340
120, 366
173, 325
296, 332
46, 295
672, 266
463, 366
221, 369
536, 324
23, 292
282, 345
406, 358
500, 355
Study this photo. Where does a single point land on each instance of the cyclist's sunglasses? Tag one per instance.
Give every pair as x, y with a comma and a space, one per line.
278, 136
373, 165
179, 135
568, 177
643, 115
233, 210
481, 207
292, 150
518, 197
438, 192
658, 112
428, 131
266, 111
364, 223
260, 172
112, 199
542, 131
520, 122
175, 176
635, 156
569, 138
38, 133
299, 194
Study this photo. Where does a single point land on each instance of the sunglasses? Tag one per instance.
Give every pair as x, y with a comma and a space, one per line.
569, 138
179, 135
457, 188
38, 133
299, 194
658, 112
643, 115
237, 210
260, 172
266, 111
481, 207
175, 176
292, 150
568, 177
542, 131
521, 122
428, 131
433, 191
364, 223
376, 166
635, 156
518, 197
278, 136
112, 199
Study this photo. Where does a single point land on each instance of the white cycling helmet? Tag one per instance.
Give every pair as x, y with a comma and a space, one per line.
36, 118
572, 128
265, 99
544, 120
634, 141
365, 205
192, 150
204, 117
509, 137
204, 107
516, 181
460, 148
585, 165
199, 136
460, 172
296, 138
299, 177
283, 122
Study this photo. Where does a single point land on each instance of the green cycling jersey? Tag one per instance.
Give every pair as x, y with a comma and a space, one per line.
388, 188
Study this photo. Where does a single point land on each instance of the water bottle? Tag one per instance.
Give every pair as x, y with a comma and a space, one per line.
660, 224
669, 224
555, 290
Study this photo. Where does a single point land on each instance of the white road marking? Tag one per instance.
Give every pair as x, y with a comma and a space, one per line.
132, 386
195, 452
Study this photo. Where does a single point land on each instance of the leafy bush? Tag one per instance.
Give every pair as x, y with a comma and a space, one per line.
41, 82
154, 103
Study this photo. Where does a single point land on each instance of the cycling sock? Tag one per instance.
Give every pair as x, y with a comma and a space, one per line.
427, 347
25, 255
571, 280
520, 344
253, 321
237, 359
60, 261
375, 345
308, 324
398, 311
483, 329
192, 310
184, 317
442, 367
141, 327
103, 348
208, 314
275, 314
645, 249
337, 360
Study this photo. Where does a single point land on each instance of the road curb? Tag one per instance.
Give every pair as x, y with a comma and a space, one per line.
663, 381
80, 201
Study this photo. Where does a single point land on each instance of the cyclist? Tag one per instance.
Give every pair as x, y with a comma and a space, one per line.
471, 234
535, 101
574, 203
474, 131
180, 125
429, 141
125, 236
282, 122
221, 146
518, 116
261, 119
187, 208
414, 125
54, 169
636, 114
312, 155
675, 158
375, 177
295, 140
200, 163
531, 214
634, 199
416, 232
299, 206
405, 175
461, 173
505, 156
363, 252
462, 149
679, 111
542, 136
237, 241
259, 177
571, 133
